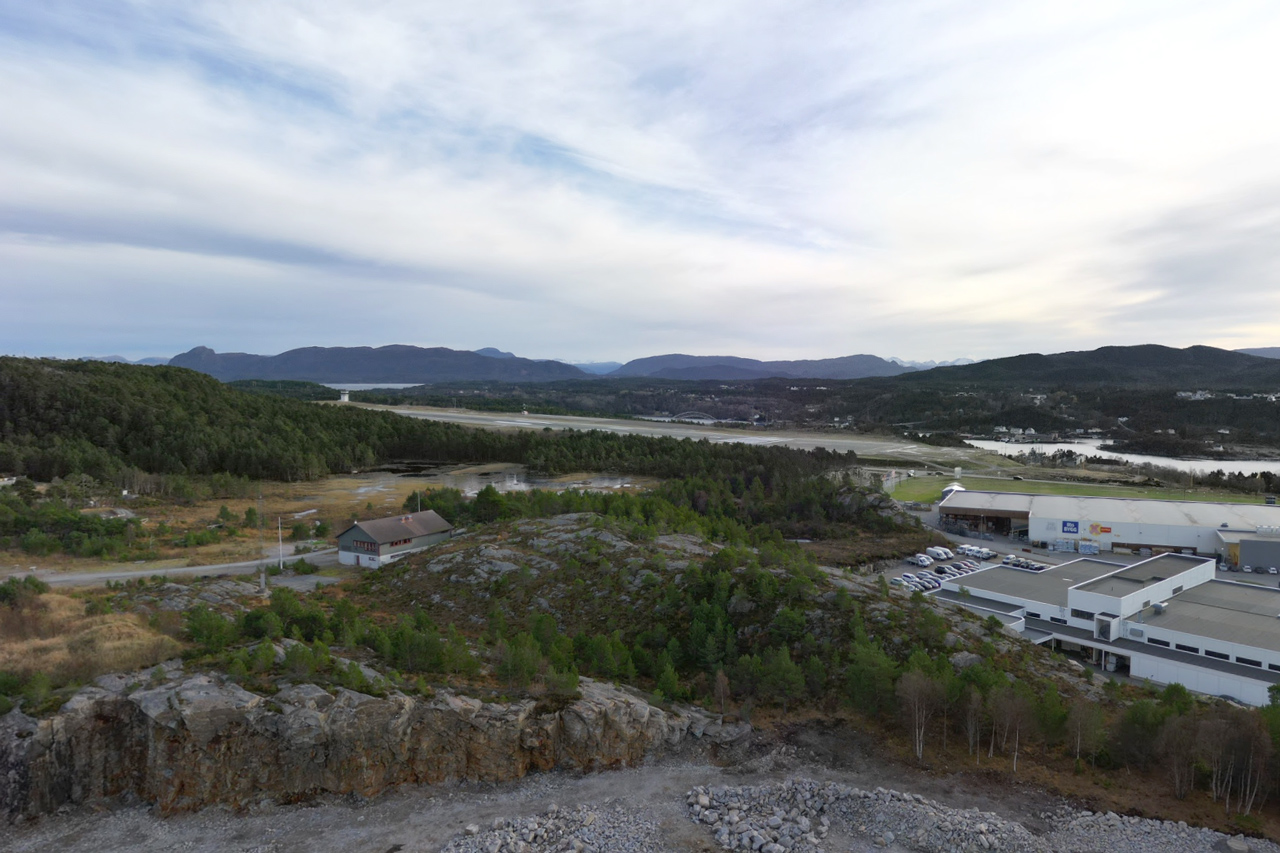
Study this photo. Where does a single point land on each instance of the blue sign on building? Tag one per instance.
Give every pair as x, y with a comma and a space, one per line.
1070, 527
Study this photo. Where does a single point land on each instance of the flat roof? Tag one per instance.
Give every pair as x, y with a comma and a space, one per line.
1048, 587
1138, 575
1136, 510
1227, 611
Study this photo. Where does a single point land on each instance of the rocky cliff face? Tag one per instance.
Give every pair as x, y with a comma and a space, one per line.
195, 741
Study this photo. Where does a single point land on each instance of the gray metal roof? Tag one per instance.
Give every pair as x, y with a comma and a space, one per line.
408, 526
1137, 510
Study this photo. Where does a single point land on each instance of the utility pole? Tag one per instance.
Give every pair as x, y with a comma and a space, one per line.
262, 552
280, 534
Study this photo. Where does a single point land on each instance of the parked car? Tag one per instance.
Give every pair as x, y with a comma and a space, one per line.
1247, 569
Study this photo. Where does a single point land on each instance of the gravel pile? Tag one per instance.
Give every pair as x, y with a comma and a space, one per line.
585, 829
795, 817
1087, 832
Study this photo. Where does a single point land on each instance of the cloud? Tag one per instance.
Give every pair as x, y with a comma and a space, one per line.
565, 179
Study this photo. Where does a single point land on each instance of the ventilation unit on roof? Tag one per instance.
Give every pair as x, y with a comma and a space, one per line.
1269, 530
1159, 607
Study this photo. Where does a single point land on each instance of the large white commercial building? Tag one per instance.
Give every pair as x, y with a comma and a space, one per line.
1121, 525
1168, 619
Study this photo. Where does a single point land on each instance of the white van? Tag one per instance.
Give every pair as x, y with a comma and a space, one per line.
938, 553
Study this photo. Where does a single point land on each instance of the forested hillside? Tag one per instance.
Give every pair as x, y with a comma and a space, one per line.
64, 417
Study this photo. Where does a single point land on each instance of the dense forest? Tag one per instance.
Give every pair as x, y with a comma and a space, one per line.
111, 421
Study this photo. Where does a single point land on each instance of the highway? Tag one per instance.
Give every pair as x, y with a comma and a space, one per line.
881, 447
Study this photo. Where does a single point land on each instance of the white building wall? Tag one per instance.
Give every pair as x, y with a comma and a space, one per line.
364, 559
1207, 681
1203, 539
1267, 657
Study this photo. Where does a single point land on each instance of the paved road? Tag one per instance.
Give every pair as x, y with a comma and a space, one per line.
321, 559
863, 445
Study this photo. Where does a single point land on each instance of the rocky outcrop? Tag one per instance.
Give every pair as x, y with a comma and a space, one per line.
186, 742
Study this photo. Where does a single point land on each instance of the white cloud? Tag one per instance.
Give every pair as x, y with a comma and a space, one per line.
774, 179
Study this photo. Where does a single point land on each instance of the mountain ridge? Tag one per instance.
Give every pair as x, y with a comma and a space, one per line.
704, 367
394, 363
1141, 365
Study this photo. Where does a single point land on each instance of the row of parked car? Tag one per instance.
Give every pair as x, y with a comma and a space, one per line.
1023, 563
1257, 570
937, 553
924, 581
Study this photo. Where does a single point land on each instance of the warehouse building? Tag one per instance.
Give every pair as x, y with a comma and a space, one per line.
1098, 525
1167, 619
375, 543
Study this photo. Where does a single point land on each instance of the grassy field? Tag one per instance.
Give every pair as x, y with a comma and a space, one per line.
929, 489
53, 634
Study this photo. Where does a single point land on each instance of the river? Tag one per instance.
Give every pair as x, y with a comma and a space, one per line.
1090, 447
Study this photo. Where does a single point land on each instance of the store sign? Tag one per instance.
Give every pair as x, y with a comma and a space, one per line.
1098, 529
1070, 527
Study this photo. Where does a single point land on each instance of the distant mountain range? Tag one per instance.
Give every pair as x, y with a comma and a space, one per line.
122, 360
1142, 366
678, 366
1132, 366
927, 365
401, 364
392, 364
595, 368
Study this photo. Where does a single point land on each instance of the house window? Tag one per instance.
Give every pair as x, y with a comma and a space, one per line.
1057, 621
1177, 589
1249, 662
1183, 648
1217, 655
1031, 615
1136, 632
1082, 614
1274, 667
1162, 643
361, 545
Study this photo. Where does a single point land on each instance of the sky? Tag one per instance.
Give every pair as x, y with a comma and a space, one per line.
605, 181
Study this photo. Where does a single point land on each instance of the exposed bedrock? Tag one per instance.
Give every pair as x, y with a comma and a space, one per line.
200, 740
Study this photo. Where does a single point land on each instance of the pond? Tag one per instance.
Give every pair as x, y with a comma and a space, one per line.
470, 479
